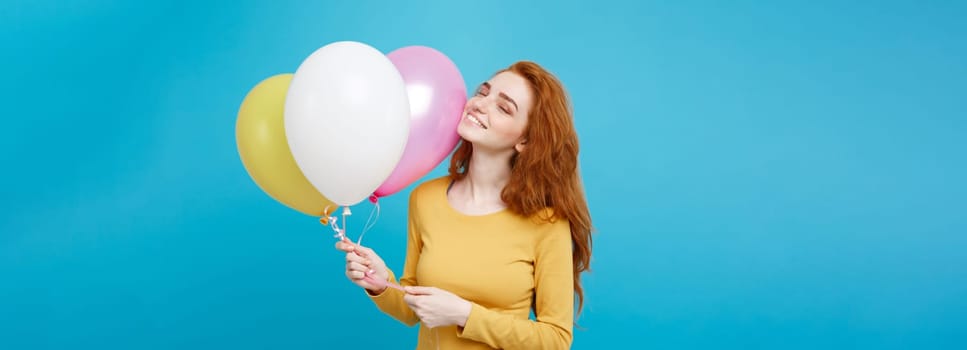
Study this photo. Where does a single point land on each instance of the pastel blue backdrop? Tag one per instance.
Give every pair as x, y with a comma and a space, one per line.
774, 175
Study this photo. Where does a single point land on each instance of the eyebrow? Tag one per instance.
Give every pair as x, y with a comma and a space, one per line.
502, 95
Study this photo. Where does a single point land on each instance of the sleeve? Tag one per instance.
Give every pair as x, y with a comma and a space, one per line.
554, 293
390, 301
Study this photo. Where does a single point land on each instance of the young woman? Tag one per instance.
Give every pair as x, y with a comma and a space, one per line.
507, 232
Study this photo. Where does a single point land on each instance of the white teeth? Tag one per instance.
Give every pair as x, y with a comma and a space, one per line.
475, 121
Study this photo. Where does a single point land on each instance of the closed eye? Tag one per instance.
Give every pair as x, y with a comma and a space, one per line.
483, 90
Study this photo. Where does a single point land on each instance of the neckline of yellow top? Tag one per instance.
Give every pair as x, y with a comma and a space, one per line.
446, 201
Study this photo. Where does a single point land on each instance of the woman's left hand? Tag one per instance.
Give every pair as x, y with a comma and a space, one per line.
436, 307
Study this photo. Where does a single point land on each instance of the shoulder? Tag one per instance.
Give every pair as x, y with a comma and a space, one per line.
552, 234
547, 217
428, 191
429, 186
550, 225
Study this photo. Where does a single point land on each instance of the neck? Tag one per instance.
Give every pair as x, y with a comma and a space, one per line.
487, 175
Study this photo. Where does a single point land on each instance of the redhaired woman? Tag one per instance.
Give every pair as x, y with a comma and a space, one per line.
506, 232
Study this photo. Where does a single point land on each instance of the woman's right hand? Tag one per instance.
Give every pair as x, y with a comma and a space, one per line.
362, 262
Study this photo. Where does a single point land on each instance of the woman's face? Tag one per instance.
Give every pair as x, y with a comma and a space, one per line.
496, 115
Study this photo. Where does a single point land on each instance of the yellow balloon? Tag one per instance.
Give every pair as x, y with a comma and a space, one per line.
262, 145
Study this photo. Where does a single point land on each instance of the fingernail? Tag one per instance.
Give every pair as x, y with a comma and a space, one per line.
371, 271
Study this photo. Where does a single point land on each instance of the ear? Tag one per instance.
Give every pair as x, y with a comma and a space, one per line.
521, 145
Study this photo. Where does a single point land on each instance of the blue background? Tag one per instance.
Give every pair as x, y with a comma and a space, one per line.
761, 175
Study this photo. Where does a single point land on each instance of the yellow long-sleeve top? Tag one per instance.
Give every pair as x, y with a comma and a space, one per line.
501, 262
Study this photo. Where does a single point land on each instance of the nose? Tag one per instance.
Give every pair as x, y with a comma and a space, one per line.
477, 105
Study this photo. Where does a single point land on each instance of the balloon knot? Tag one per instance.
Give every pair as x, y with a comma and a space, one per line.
373, 199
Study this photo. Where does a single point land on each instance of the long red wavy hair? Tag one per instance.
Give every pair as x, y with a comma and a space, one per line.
545, 174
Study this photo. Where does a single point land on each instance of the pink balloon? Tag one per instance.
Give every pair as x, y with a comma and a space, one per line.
437, 95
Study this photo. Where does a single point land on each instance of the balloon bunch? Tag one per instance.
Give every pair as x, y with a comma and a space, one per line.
350, 124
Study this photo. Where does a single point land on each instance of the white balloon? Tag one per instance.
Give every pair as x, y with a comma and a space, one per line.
347, 120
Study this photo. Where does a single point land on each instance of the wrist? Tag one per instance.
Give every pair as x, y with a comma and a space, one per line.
464, 314
376, 284
376, 292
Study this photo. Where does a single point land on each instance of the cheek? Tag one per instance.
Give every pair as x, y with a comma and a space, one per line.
509, 129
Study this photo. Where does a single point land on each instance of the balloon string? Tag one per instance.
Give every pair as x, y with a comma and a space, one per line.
333, 222
437, 336
370, 222
345, 212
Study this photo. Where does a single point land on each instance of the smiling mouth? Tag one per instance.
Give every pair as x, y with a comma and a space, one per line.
476, 121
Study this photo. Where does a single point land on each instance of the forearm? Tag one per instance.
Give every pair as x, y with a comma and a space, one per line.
509, 332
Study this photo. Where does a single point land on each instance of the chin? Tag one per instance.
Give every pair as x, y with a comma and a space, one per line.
467, 135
